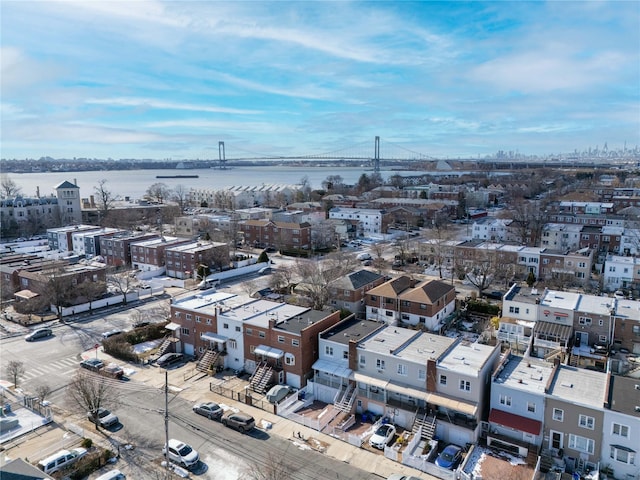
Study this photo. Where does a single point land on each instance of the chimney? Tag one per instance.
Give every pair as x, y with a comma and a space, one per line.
431, 375
353, 355
92, 201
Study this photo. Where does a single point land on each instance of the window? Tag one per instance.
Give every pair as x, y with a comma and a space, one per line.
443, 379
586, 421
622, 455
252, 348
558, 415
208, 321
261, 334
328, 350
380, 364
295, 342
184, 331
505, 400
289, 359
188, 316
363, 360
233, 343
582, 444
225, 325
465, 385
238, 328
198, 319
422, 374
531, 407
621, 430
280, 339
584, 320
249, 331
345, 354
514, 309
402, 369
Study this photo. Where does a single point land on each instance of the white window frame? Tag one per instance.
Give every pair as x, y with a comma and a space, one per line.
585, 421
465, 385
505, 400
620, 430
575, 443
402, 369
558, 415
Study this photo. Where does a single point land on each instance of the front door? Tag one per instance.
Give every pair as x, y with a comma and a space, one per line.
555, 442
582, 339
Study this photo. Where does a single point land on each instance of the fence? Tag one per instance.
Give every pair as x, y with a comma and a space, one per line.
243, 396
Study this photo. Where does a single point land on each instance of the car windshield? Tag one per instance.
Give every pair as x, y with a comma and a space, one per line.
103, 413
185, 450
383, 430
447, 456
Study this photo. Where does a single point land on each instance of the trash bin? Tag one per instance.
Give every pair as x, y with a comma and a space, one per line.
301, 395
7, 408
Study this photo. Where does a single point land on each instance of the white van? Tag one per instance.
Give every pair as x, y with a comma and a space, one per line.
206, 284
112, 475
364, 256
60, 460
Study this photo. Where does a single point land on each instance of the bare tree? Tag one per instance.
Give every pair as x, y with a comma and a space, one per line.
181, 197
105, 199
159, 192
282, 278
59, 290
9, 188
318, 276
123, 283
92, 291
15, 369
91, 392
42, 392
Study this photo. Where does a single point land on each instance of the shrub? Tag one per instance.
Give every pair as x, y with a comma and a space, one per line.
86, 443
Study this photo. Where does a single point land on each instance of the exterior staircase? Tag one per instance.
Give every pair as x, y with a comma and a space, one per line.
532, 456
573, 360
344, 403
209, 359
428, 424
261, 378
164, 347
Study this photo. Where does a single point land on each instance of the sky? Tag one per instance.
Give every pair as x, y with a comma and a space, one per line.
171, 79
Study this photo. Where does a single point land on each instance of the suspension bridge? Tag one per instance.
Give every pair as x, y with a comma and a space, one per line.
359, 152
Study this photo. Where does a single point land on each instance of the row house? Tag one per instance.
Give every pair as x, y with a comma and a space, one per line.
588, 208
577, 419
404, 301
60, 239
369, 222
517, 412
491, 229
279, 235
116, 249
630, 241
149, 255
275, 342
428, 211
592, 219
602, 239
561, 236
349, 292
182, 261
414, 378
621, 272
87, 243
626, 330
593, 327
569, 267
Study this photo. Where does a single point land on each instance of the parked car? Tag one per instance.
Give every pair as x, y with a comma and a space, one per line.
277, 393
113, 370
112, 333
211, 410
494, 295
60, 460
112, 475
382, 436
264, 271
38, 333
180, 452
93, 364
450, 457
239, 421
169, 359
104, 418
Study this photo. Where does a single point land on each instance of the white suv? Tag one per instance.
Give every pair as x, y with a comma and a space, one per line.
180, 452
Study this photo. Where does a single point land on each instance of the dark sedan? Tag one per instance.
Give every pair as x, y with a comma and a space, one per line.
169, 359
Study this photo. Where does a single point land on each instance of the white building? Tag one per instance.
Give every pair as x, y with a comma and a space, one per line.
620, 272
489, 228
561, 236
368, 221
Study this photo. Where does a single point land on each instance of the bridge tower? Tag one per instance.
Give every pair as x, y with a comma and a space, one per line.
221, 156
376, 156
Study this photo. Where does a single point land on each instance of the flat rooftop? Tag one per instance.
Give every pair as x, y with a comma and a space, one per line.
526, 375
426, 346
388, 340
205, 303
595, 304
580, 386
355, 329
466, 358
557, 299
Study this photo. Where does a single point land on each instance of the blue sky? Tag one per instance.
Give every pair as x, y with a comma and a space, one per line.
171, 79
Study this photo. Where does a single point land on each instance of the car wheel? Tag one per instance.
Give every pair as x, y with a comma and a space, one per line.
224, 422
242, 430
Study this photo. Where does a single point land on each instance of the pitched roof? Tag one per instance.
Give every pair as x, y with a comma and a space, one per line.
356, 280
67, 184
393, 287
430, 291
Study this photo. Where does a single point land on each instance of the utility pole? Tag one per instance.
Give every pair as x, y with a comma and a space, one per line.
166, 419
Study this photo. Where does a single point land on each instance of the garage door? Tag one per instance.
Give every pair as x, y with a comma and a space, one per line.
188, 349
636, 348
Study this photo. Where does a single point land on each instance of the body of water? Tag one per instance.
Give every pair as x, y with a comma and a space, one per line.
134, 183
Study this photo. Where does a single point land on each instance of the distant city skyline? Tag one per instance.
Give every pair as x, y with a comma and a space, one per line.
155, 79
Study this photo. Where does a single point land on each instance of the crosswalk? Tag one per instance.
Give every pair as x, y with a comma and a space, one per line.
64, 367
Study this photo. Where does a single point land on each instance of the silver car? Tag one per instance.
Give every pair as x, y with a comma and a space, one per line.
104, 417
